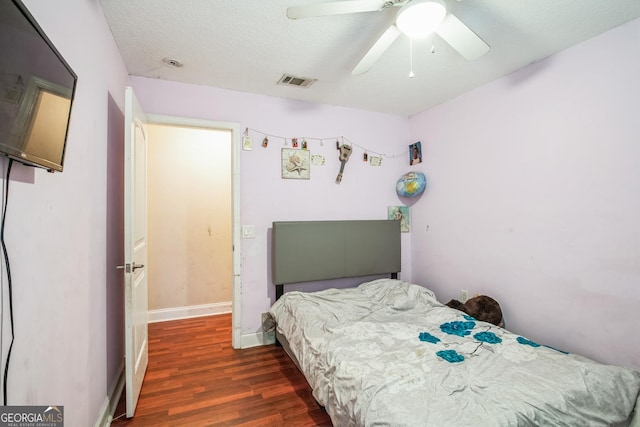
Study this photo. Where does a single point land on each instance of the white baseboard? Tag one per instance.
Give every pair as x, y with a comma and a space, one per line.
110, 403
187, 312
104, 420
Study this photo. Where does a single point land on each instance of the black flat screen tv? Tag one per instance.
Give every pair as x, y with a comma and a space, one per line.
37, 89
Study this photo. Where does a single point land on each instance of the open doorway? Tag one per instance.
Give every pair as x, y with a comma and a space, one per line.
193, 219
132, 202
189, 213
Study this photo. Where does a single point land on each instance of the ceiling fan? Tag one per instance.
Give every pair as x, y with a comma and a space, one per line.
416, 19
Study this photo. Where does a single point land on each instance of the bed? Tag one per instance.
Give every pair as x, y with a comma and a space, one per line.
388, 353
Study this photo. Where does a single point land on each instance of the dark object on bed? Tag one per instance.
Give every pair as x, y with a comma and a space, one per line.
480, 307
306, 251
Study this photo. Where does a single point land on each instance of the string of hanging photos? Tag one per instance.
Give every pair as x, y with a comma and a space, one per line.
304, 144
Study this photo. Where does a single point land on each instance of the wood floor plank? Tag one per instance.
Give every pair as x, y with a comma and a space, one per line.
195, 378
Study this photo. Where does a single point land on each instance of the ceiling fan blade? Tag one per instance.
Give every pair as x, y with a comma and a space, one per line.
334, 8
376, 51
461, 38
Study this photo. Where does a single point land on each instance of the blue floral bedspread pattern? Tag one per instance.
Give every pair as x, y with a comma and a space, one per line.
387, 353
463, 329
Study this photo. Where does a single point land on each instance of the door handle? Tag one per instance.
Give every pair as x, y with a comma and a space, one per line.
129, 267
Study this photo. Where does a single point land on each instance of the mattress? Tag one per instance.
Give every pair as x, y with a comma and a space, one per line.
387, 353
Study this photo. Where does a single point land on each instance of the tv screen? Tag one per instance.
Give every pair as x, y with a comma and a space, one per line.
37, 87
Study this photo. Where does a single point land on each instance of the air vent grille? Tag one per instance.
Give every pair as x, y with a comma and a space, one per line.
289, 80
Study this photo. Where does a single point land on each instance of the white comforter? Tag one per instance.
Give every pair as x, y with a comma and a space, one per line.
388, 354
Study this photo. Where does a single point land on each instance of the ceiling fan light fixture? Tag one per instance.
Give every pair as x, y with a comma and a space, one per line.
419, 18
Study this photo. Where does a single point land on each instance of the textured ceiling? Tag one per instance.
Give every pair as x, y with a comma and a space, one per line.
247, 45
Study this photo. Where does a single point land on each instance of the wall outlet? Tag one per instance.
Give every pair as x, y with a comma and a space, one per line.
464, 295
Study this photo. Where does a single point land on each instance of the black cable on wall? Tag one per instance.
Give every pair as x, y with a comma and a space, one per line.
9, 286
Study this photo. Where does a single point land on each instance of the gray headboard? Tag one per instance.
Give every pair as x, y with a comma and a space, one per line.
304, 251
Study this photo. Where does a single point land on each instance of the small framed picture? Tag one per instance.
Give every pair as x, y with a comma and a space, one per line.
415, 153
317, 159
400, 213
295, 164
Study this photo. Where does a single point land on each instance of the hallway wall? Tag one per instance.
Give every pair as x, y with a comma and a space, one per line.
190, 218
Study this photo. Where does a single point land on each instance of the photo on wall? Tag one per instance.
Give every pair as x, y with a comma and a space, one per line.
415, 153
400, 213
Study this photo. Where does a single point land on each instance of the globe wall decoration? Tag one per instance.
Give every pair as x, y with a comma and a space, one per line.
411, 184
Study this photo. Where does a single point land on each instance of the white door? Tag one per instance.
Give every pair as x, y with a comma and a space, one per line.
135, 249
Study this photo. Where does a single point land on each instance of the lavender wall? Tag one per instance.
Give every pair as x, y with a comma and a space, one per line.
365, 191
66, 349
534, 194
114, 299
533, 198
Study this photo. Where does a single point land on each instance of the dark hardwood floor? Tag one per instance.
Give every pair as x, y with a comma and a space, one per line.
195, 378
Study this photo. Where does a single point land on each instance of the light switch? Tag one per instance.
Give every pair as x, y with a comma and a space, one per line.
248, 231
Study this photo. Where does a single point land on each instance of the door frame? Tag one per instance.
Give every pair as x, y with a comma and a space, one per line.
234, 128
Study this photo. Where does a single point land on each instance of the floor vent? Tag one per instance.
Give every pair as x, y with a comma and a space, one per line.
289, 80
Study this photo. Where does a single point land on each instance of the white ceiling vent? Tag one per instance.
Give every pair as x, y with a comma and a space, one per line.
289, 80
